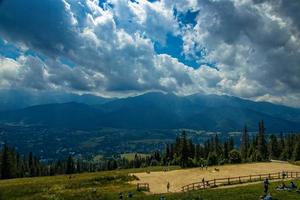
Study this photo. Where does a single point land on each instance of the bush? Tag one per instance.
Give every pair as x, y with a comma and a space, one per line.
256, 156
212, 158
235, 156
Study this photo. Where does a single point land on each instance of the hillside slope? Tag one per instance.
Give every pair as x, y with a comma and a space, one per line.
160, 111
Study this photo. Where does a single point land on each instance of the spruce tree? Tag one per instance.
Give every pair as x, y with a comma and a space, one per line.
231, 144
184, 150
167, 156
198, 152
191, 149
172, 152
217, 147
281, 144
245, 144
296, 152
31, 166
273, 147
70, 165
212, 158
225, 150
6, 164
288, 148
261, 141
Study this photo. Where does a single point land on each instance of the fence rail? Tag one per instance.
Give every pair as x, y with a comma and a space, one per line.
237, 180
143, 187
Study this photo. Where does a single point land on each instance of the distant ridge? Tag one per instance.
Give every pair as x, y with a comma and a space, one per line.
18, 99
160, 111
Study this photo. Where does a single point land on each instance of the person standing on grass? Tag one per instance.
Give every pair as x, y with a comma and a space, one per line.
168, 186
266, 185
120, 195
283, 175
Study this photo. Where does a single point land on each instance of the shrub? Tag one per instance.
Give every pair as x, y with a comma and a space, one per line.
235, 156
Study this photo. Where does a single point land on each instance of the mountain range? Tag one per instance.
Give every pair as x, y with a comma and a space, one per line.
150, 111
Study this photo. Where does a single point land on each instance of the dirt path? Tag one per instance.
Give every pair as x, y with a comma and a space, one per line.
178, 178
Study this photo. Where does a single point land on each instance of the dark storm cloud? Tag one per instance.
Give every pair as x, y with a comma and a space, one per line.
42, 25
107, 55
253, 46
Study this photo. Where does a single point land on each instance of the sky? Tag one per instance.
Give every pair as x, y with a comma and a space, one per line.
244, 48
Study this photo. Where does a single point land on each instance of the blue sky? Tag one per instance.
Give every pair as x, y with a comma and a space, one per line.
248, 48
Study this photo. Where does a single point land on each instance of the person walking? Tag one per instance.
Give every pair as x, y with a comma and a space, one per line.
168, 186
266, 185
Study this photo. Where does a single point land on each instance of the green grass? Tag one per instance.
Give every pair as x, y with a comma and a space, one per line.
107, 185
81, 186
296, 163
246, 192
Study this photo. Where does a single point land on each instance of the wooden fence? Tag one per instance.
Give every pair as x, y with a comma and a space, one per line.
143, 187
237, 180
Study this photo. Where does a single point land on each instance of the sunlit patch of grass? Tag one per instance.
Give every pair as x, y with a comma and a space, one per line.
99, 185
107, 185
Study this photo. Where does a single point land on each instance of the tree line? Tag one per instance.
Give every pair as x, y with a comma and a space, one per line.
251, 149
183, 151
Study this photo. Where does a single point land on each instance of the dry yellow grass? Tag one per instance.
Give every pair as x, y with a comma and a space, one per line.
178, 178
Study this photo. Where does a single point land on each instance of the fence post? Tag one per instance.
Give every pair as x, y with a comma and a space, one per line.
198, 186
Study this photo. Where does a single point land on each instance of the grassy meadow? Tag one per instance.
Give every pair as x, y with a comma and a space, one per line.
107, 185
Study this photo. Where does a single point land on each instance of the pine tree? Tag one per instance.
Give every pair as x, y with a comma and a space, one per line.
245, 144
273, 147
198, 152
261, 141
206, 148
225, 150
281, 144
177, 147
217, 147
167, 156
288, 148
212, 158
191, 149
231, 144
70, 165
184, 154
157, 156
6, 165
31, 166
296, 152
172, 152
